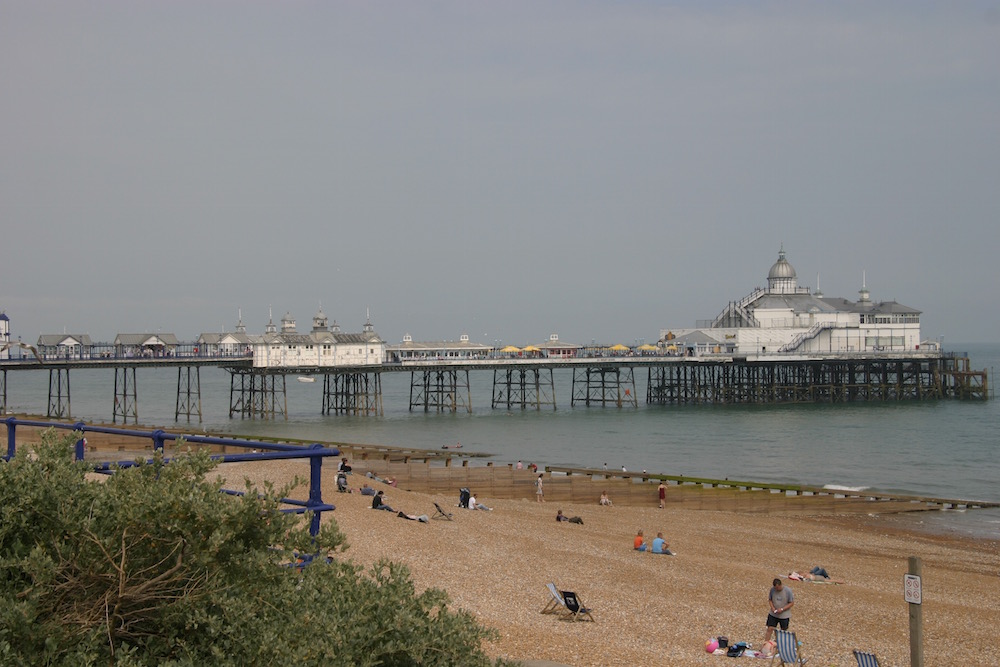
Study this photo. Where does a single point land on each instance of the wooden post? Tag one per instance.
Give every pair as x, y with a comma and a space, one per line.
912, 593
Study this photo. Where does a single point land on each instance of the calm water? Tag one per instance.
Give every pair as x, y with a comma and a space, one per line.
943, 448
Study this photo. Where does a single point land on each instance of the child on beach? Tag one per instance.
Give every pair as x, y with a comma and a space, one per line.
539, 492
605, 500
639, 543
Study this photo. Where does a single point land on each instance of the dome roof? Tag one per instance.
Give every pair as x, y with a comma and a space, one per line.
781, 268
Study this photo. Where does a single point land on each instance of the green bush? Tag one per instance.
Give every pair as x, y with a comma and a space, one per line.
154, 566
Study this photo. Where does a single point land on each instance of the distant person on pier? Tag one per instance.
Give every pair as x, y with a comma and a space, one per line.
605, 500
520, 466
662, 491
539, 491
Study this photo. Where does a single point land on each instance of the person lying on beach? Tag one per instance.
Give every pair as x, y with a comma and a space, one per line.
605, 500
639, 543
423, 518
660, 546
367, 490
817, 574
562, 517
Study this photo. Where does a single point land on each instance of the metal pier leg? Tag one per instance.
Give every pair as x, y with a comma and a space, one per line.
126, 403
56, 408
239, 396
3, 392
188, 395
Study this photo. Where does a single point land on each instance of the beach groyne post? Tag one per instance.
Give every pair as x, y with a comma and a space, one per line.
912, 584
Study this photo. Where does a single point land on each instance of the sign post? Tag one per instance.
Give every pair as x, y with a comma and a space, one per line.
912, 594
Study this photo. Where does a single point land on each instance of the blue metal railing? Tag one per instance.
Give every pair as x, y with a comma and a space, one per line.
271, 451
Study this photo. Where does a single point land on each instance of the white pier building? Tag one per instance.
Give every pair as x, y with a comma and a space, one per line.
787, 319
325, 346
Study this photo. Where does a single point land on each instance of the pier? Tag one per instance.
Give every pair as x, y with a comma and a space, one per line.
529, 383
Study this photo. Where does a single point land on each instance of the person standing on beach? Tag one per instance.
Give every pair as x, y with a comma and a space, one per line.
539, 495
780, 600
662, 490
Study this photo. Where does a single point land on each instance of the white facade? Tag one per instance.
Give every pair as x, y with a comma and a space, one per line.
4, 336
788, 319
409, 350
323, 347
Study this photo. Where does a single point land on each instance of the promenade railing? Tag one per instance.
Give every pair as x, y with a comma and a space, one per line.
256, 451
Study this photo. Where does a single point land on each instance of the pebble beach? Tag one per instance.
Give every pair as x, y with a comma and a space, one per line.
652, 609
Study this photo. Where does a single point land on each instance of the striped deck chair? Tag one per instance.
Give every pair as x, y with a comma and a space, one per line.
575, 611
440, 513
865, 659
556, 603
788, 648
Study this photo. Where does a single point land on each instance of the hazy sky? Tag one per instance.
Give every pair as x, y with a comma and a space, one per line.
600, 170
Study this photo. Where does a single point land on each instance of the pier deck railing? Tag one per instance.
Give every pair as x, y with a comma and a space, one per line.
256, 451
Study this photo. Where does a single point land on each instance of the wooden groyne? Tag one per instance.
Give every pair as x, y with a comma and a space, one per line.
583, 486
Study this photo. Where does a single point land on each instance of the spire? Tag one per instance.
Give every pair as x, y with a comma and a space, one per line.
270, 328
240, 327
864, 289
819, 292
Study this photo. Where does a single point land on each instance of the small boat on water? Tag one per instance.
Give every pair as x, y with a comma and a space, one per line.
305, 378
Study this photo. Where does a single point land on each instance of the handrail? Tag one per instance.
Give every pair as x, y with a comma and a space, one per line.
272, 451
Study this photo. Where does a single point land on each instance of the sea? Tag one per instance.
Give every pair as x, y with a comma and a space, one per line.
942, 448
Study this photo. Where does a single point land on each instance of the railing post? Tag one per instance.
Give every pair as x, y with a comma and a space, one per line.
315, 488
11, 437
79, 426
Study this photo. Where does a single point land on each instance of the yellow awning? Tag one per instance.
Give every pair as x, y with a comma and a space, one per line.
531, 348
510, 348
647, 348
618, 348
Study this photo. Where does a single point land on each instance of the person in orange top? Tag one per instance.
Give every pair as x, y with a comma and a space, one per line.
639, 544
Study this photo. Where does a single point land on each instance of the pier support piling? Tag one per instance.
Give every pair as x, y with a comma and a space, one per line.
524, 388
352, 394
440, 389
188, 392
126, 396
57, 408
254, 394
604, 385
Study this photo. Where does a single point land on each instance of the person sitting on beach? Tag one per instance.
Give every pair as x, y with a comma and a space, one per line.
639, 543
367, 490
605, 500
473, 505
391, 481
379, 504
562, 517
660, 546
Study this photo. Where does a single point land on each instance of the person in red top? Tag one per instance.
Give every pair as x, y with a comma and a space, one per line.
639, 544
663, 493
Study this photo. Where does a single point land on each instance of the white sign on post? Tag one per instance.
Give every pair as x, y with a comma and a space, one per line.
911, 588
